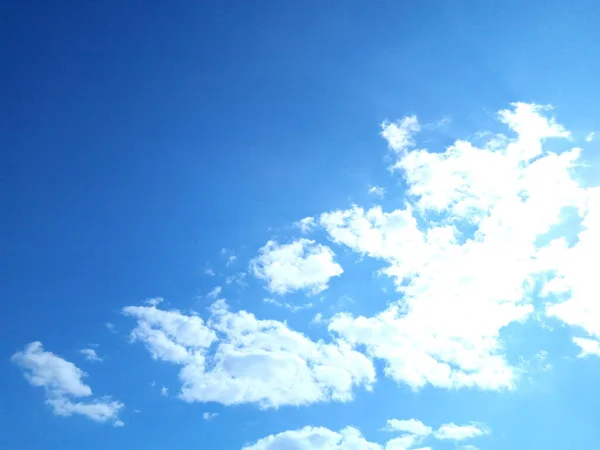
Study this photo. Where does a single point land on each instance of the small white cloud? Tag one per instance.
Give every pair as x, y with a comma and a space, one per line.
63, 385
90, 354
412, 426
110, 327
305, 225
590, 136
209, 272
588, 347
231, 260
154, 301
453, 432
399, 135
318, 319
238, 278
209, 415
301, 265
215, 292
377, 190
164, 391
290, 306
137, 411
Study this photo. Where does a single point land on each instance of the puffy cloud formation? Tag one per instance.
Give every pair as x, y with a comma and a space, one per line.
476, 233
63, 383
236, 358
90, 354
453, 432
349, 438
301, 265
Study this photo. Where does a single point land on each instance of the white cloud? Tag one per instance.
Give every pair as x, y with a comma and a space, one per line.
154, 301
451, 431
209, 272
90, 354
590, 136
399, 135
111, 327
164, 391
315, 438
412, 426
301, 265
236, 358
377, 190
215, 292
463, 251
63, 384
588, 347
231, 260
350, 438
305, 225
289, 306
209, 415
572, 272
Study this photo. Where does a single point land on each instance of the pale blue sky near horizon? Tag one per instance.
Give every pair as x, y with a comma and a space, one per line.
146, 143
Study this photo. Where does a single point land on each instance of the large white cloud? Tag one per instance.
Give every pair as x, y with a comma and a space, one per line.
236, 358
301, 265
573, 276
464, 251
63, 384
350, 438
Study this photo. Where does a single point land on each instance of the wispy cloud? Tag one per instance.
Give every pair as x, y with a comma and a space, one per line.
289, 306
377, 191
215, 292
90, 354
63, 385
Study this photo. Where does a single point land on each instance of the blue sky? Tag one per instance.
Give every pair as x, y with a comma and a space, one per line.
300, 225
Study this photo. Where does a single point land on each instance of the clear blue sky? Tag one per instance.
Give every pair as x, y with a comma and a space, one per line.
152, 150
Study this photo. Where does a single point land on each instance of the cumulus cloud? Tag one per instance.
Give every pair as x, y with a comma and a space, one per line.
63, 384
399, 134
302, 265
412, 426
350, 438
305, 225
315, 438
453, 432
572, 273
235, 358
154, 301
90, 354
377, 191
588, 346
465, 251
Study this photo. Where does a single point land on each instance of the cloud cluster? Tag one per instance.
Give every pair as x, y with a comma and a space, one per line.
236, 358
413, 434
63, 384
467, 250
302, 265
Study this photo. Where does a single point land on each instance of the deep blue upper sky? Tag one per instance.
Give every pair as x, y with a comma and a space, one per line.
141, 138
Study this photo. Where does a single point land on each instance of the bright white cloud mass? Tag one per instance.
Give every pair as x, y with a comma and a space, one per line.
300, 265
414, 436
236, 358
63, 384
477, 243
